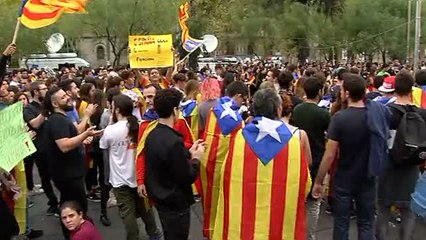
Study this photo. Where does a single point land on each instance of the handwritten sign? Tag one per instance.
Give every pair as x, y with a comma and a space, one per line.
151, 51
15, 142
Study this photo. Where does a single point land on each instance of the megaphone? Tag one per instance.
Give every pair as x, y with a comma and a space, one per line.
210, 43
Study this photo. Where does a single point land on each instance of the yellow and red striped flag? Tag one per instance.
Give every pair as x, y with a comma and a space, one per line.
145, 128
188, 43
41, 13
265, 181
19, 206
220, 127
190, 113
419, 97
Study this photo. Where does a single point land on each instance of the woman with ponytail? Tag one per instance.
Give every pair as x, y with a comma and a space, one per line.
120, 139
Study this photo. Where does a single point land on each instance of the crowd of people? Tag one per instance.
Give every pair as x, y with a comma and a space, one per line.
256, 143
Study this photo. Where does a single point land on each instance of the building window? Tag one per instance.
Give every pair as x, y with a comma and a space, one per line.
100, 52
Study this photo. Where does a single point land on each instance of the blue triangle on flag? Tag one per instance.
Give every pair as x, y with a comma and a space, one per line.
266, 147
188, 107
228, 117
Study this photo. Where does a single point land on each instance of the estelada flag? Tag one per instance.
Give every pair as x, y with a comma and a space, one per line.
18, 206
264, 185
41, 13
419, 97
223, 122
145, 128
188, 43
190, 113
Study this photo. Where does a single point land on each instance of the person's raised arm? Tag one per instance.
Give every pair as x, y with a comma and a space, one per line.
37, 121
88, 112
10, 49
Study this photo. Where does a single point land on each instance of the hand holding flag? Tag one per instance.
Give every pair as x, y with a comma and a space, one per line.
41, 13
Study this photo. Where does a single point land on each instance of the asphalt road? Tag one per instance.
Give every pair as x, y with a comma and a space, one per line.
52, 230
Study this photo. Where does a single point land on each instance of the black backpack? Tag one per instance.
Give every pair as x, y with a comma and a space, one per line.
409, 147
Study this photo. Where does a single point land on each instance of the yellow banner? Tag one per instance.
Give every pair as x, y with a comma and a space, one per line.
151, 51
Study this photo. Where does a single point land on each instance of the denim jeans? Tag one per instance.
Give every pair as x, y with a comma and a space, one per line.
364, 195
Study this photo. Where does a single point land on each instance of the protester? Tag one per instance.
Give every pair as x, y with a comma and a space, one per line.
72, 216
9, 51
179, 82
210, 92
22, 97
285, 81
34, 116
314, 120
171, 168
254, 177
387, 91
349, 135
377, 83
223, 122
398, 181
10, 226
96, 154
272, 77
189, 106
72, 90
420, 89
66, 160
120, 139
133, 92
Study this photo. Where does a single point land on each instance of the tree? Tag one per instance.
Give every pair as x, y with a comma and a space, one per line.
116, 20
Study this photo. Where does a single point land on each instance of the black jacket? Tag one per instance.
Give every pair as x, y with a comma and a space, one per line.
3, 63
170, 171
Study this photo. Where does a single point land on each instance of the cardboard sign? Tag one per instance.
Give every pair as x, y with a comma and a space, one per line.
151, 51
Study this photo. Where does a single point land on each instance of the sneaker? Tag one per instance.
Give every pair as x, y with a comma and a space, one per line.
398, 218
157, 236
329, 210
93, 198
353, 215
53, 211
33, 234
105, 220
197, 198
35, 191
112, 202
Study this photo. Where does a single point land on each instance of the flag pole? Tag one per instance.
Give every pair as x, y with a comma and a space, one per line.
15, 34
187, 55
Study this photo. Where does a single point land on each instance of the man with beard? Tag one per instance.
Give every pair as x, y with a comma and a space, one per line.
72, 90
33, 116
66, 153
120, 141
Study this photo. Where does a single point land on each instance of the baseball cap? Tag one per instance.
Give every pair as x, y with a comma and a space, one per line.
388, 85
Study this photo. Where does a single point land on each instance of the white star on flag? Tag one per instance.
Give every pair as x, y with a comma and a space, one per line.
227, 111
269, 127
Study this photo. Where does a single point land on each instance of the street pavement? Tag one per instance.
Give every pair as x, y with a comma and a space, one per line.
52, 230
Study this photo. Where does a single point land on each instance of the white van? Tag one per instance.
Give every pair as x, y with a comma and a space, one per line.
52, 61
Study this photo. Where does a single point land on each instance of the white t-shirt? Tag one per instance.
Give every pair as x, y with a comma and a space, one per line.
121, 155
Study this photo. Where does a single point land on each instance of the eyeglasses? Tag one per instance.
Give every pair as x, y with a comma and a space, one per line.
40, 89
